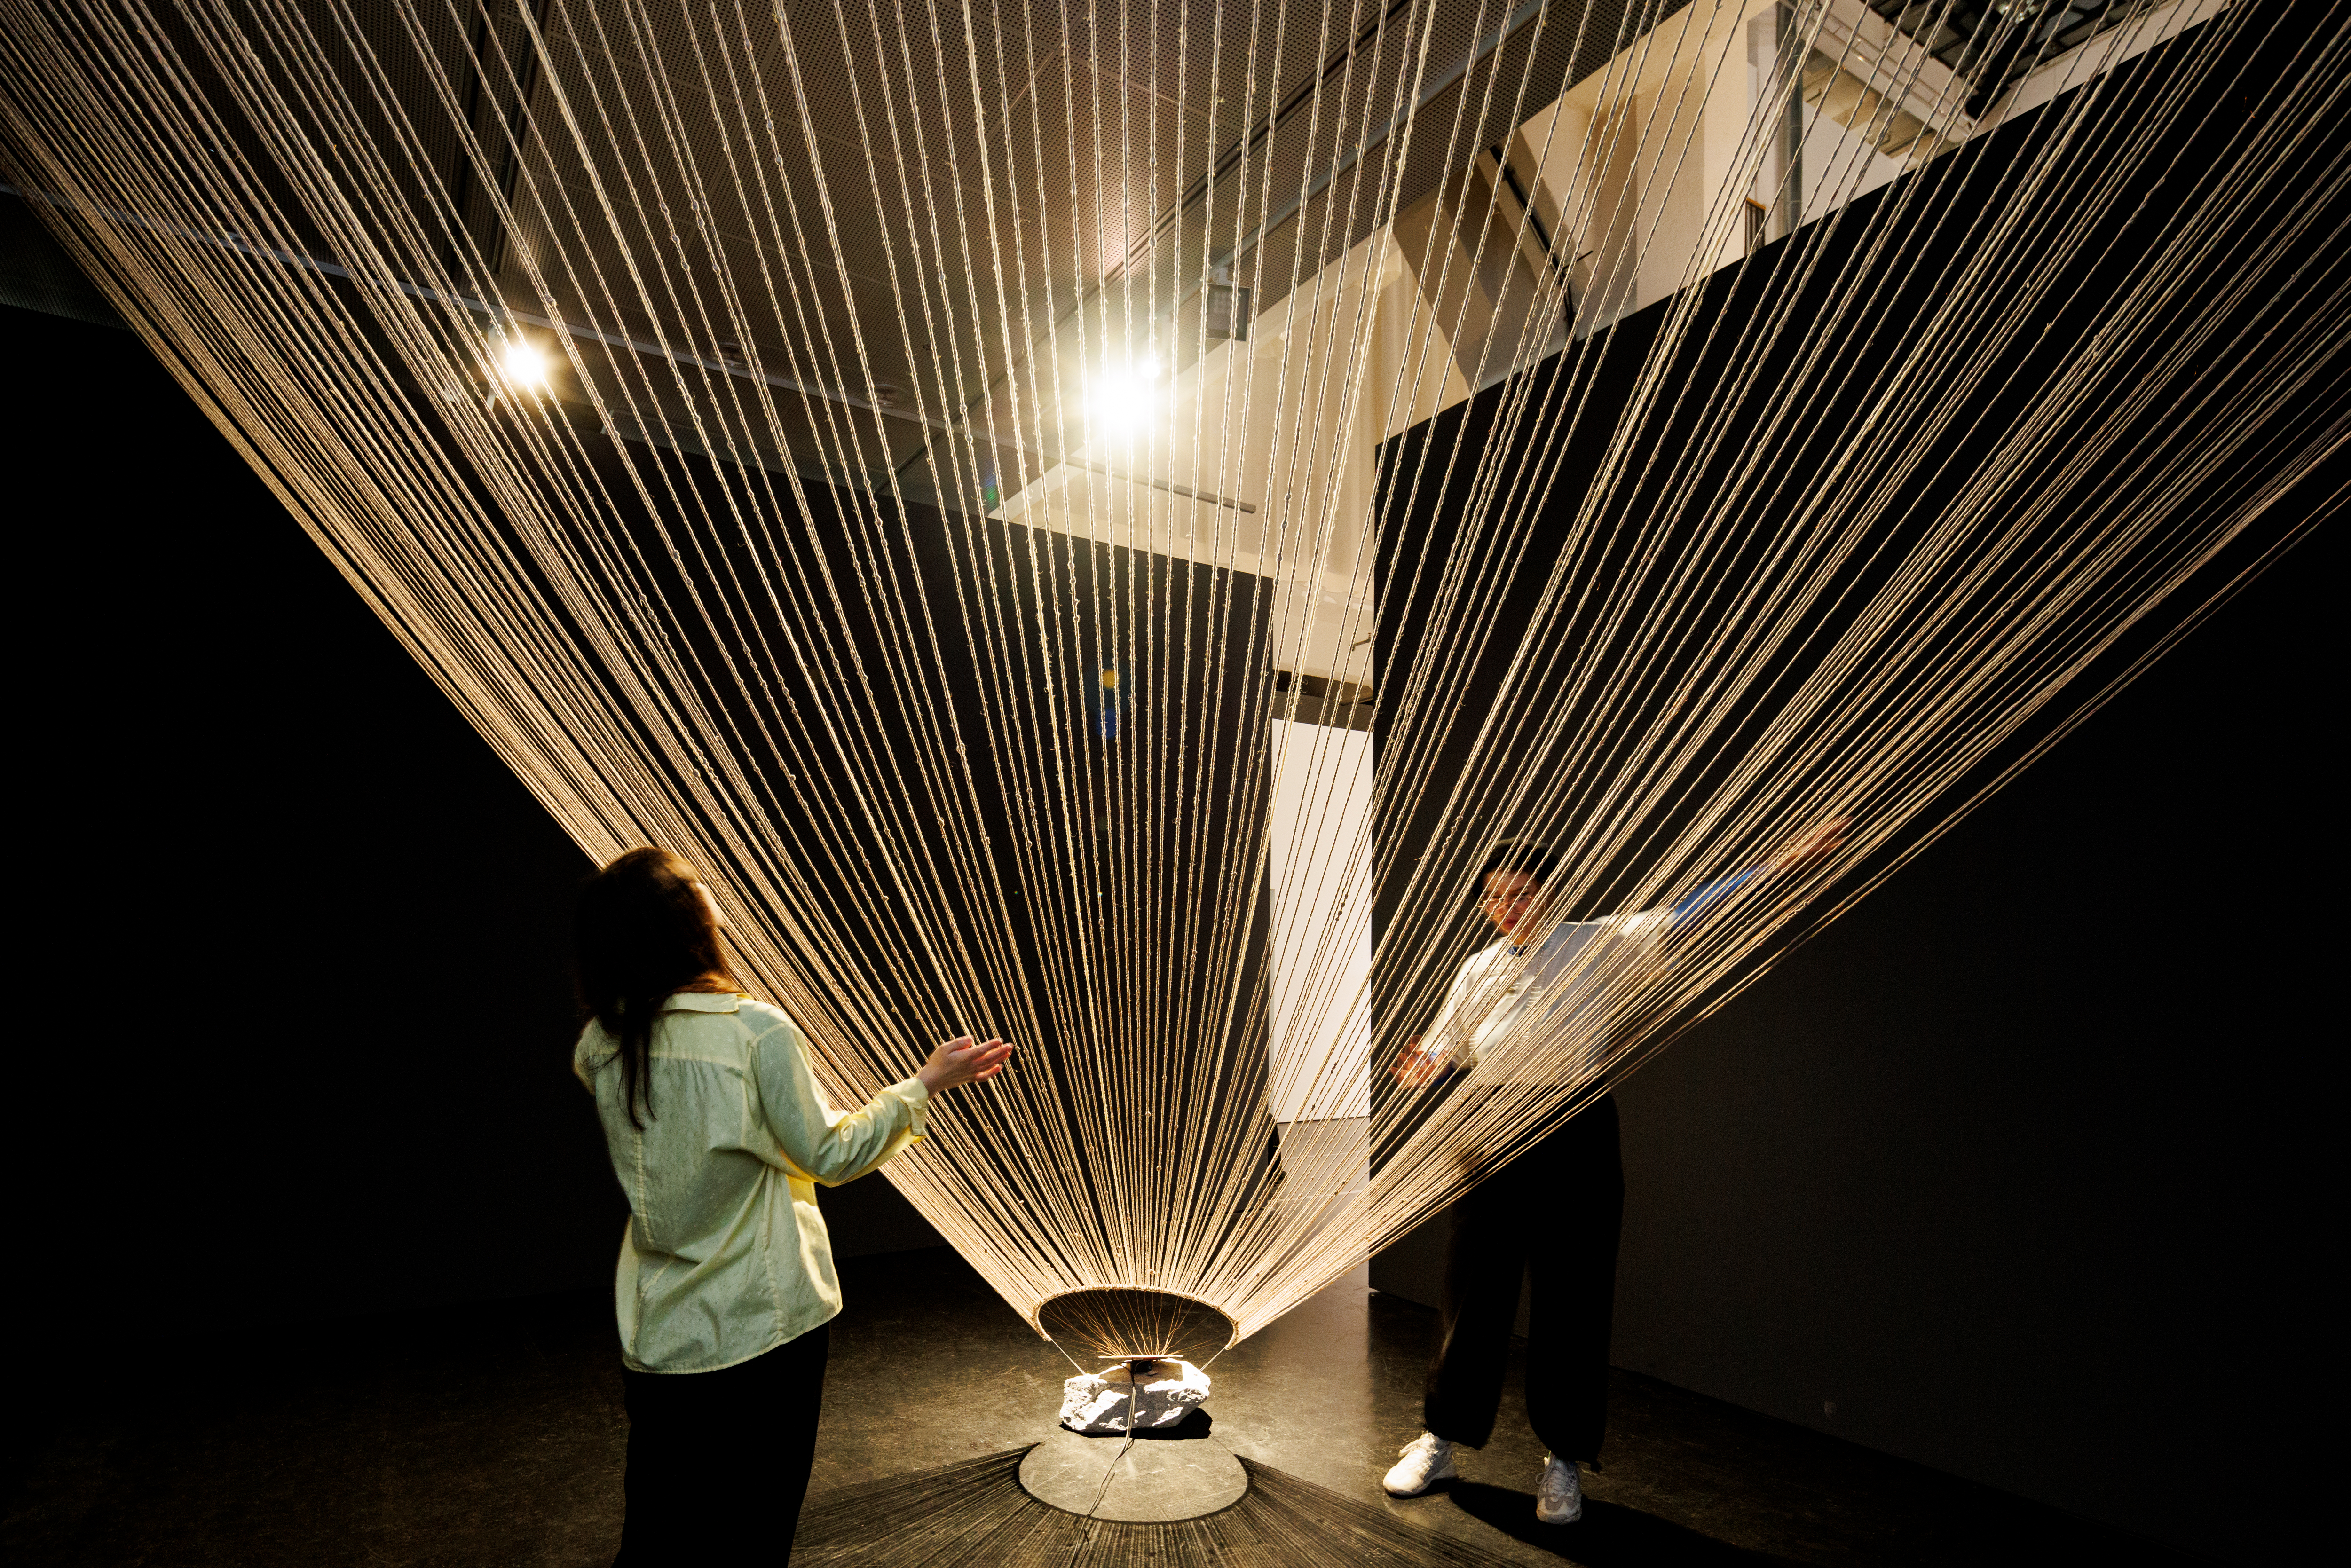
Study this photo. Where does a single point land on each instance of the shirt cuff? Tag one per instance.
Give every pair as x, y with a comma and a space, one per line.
918, 1098
1699, 901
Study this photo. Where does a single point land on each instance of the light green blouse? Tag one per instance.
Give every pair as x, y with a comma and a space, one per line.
726, 1255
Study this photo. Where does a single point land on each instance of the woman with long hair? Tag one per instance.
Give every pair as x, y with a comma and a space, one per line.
719, 1135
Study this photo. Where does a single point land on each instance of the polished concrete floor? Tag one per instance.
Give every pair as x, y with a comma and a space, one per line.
494, 1433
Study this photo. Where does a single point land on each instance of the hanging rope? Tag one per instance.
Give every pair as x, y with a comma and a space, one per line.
896, 536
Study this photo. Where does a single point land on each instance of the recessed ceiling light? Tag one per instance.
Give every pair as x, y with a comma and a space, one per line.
1120, 402
523, 365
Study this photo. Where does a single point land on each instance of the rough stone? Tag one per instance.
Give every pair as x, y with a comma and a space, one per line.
1162, 1394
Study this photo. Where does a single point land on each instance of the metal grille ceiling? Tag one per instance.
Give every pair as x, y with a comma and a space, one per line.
982, 181
968, 184
1995, 44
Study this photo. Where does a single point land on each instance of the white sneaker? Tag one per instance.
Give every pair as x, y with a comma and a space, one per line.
1559, 1497
1427, 1459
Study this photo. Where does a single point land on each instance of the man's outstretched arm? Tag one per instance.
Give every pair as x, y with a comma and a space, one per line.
1823, 838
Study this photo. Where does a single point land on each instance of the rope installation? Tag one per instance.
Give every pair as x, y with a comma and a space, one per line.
926, 465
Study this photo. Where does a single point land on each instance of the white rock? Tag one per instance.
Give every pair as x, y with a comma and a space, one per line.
1099, 1402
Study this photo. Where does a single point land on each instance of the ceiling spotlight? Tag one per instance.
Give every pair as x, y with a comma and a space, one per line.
523, 365
1123, 402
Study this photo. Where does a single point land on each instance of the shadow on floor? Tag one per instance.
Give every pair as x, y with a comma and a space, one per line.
1199, 1424
1610, 1535
976, 1515
494, 1435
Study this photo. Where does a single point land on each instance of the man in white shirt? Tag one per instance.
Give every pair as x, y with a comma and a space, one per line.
1509, 1029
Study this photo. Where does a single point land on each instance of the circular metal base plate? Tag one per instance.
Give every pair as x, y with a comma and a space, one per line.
1157, 1480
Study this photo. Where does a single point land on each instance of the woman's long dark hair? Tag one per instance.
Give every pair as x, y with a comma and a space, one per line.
642, 934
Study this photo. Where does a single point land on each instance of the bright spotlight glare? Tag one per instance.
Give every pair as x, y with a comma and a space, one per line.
524, 365
1123, 402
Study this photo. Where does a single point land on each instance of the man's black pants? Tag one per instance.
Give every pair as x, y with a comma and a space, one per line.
1553, 1215
718, 1461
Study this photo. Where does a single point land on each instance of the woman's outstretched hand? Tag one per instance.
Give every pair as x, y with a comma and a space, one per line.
961, 1062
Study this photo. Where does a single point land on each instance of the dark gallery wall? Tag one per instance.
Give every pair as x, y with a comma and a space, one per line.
2012, 1171
311, 930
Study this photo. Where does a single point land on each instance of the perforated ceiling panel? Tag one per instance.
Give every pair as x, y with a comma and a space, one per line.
888, 207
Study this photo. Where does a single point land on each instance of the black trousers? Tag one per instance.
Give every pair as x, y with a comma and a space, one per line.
1551, 1215
718, 1461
